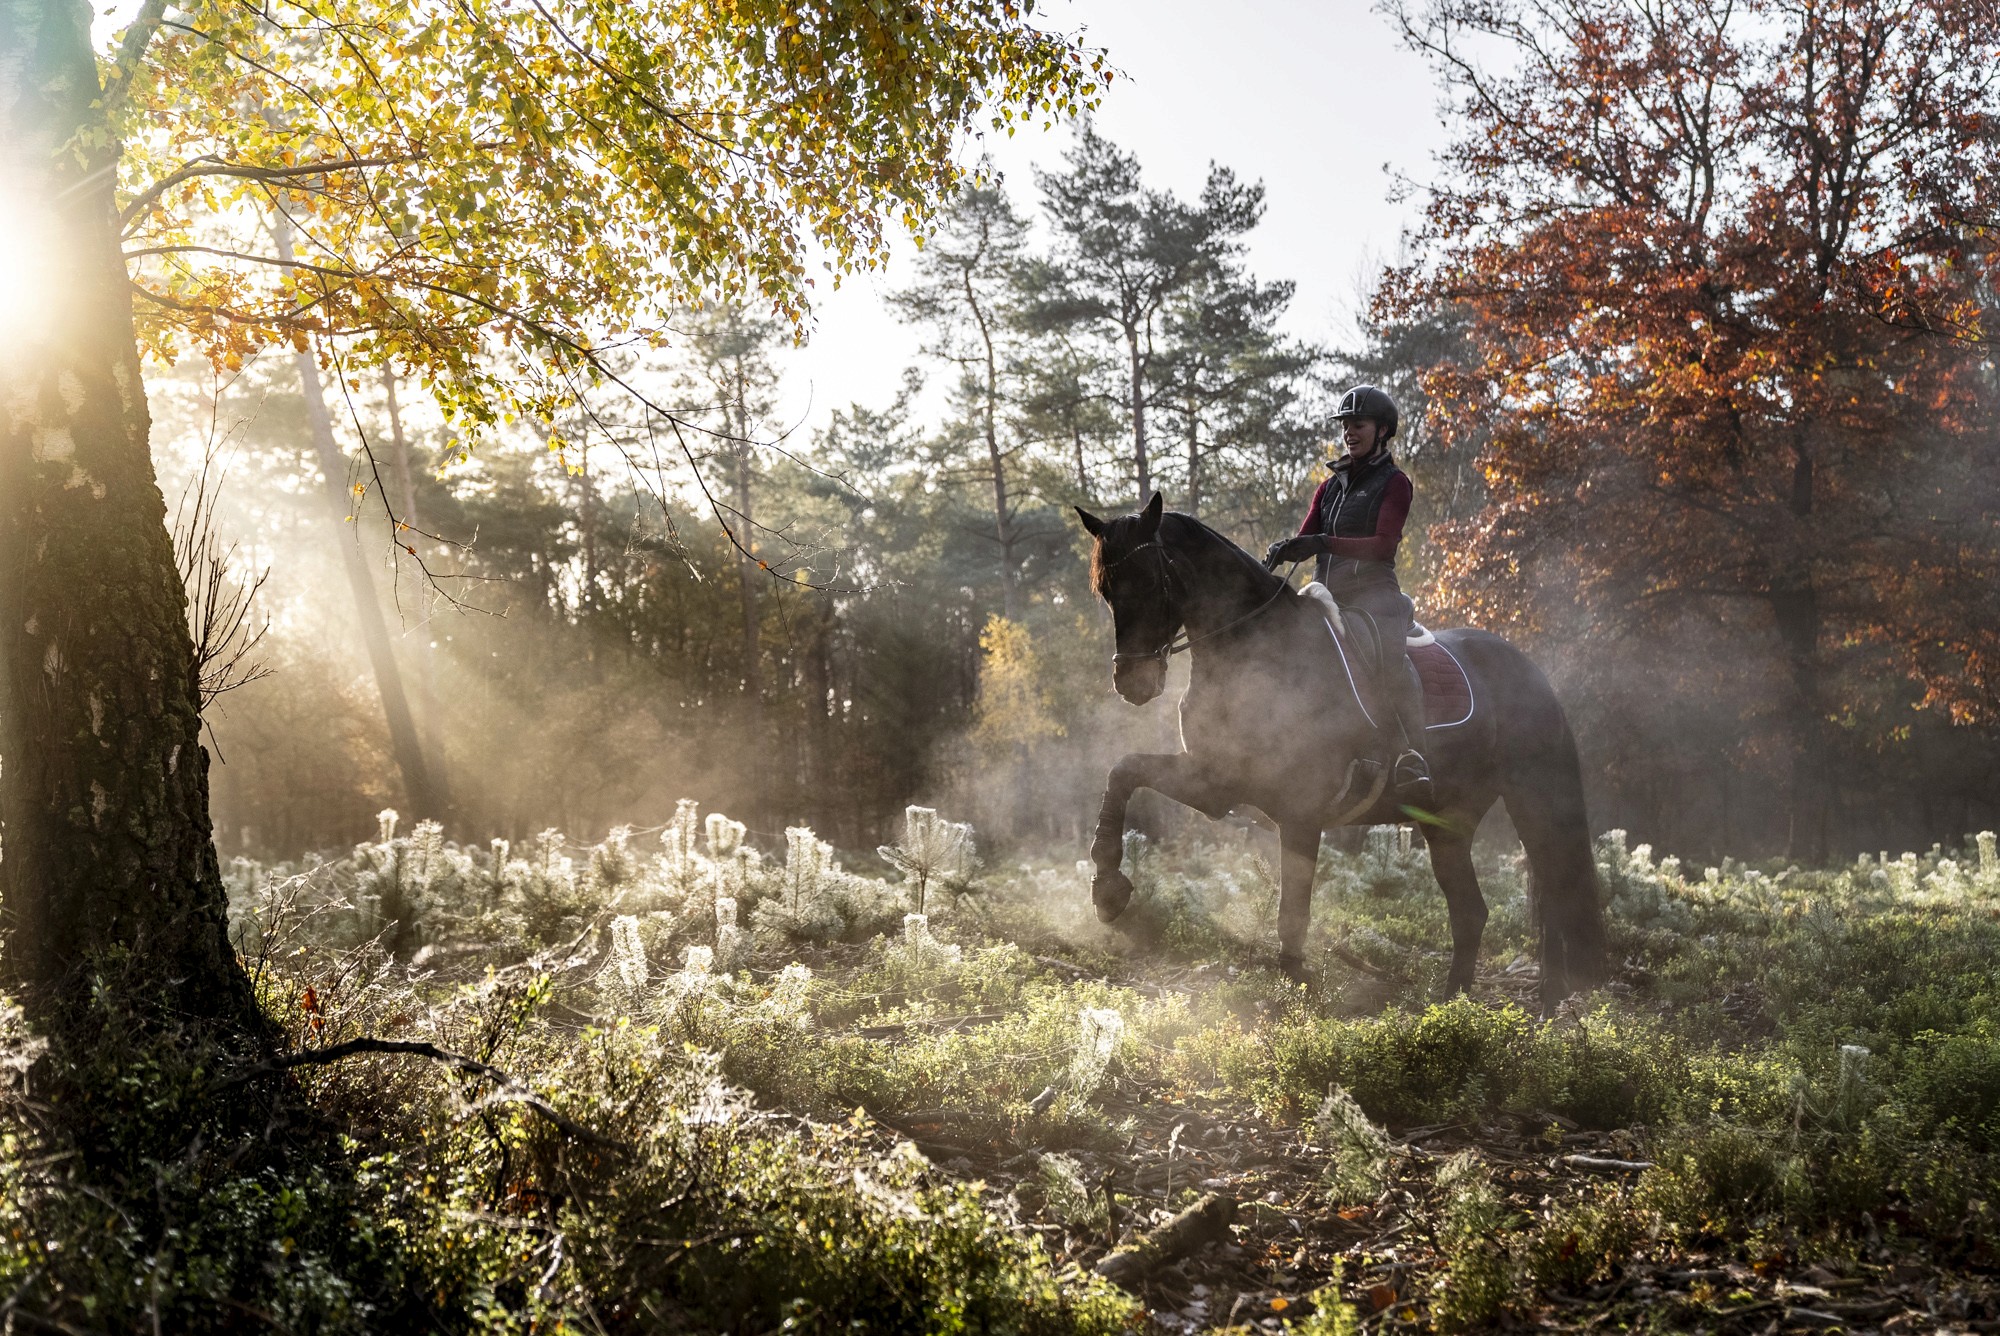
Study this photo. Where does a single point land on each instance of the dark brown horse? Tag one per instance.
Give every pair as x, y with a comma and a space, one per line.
1272, 720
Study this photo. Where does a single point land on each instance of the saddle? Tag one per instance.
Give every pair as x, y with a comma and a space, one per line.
1447, 692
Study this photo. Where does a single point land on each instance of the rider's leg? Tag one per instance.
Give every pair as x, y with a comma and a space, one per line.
1412, 775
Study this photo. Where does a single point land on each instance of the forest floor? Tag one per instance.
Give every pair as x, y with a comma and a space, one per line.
1680, 1196
714, 1090
1290, 1240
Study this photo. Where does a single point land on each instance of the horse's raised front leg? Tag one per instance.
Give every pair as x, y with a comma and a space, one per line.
1173, 774
1297, 866
1451, 863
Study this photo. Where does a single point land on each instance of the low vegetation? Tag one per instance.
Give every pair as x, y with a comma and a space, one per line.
684, 1079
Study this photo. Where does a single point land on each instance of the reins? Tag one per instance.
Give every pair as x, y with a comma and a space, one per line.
1181, 641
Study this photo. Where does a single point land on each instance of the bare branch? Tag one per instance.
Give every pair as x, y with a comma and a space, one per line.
210, 165
509, 1091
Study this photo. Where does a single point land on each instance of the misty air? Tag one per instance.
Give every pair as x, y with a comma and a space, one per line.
1053, 669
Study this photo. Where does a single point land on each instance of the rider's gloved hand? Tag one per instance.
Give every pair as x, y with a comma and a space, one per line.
1302, 548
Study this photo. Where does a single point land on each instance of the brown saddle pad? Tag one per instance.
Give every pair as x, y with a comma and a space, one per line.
1447, 690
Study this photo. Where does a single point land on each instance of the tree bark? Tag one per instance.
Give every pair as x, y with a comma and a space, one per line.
1194, 454
1797, 613
108, 859
1796, 608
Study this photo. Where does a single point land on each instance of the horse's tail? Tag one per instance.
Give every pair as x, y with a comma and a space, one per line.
1543, 789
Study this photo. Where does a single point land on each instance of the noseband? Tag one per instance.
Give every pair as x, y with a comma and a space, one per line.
1179, 641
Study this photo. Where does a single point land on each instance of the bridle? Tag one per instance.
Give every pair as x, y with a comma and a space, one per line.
1180, 641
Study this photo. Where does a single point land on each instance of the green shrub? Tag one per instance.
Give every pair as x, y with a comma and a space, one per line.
1445, 1063
1477, 1277
1952, 1081
1717, 1180
1582, 1241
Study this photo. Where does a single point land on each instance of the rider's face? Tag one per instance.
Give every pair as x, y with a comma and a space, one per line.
1359, 434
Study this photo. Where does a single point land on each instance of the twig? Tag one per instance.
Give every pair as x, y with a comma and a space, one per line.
511, 1091
944, 1023
1355, 960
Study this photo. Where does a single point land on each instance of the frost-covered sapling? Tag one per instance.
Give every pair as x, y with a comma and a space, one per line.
934, 853
411, 890
920, 947
682, 870
1098, 1032
1357, 1167
626, 970
804, 908
729, 937
1067, 1196
613, 869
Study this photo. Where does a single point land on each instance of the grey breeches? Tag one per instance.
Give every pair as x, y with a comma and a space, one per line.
1391, 611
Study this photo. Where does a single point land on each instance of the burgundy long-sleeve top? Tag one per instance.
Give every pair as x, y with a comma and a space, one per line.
1378, 546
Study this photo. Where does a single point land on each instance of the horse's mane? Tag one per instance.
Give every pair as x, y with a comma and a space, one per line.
1180, 528
1244, 559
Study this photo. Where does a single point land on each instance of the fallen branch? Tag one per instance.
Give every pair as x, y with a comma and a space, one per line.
511, 1091
1198, 1226
934, 1025
1598, 1164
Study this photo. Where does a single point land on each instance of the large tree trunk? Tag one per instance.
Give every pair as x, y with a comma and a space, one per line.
421, 789
1194, 454
104, 791
423, 792
1797, 614
1796, 609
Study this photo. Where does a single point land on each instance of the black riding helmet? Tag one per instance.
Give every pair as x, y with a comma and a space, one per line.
1367, 401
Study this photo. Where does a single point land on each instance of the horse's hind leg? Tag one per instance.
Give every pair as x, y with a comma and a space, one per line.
1297, 867
1451, 863
1173, 774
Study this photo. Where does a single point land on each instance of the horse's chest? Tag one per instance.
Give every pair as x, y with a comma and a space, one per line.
1237, 724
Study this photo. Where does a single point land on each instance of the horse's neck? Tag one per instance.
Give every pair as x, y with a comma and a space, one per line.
1223, 590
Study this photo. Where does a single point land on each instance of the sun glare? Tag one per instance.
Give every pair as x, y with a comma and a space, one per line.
26, 264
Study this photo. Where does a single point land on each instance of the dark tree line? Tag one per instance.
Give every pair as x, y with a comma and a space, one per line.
896, 608
819, 653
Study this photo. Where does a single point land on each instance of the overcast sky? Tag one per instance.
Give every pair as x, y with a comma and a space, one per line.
1318, 101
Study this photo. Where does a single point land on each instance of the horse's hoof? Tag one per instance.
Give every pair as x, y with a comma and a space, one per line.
1111, 892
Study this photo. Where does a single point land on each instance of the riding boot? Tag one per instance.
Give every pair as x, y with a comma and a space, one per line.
1412, 774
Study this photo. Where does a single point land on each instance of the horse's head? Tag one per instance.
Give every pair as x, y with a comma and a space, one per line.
1131, 571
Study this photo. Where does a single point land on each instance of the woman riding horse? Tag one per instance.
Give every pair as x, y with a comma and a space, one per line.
1270, 719
1353, 528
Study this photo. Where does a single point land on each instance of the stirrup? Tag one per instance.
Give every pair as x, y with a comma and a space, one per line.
1412, 779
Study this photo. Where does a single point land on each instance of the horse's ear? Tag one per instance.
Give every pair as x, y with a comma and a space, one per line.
1149, 518
1090, 522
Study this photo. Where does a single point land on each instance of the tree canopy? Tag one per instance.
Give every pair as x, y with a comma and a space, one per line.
492, 192
1720, 292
